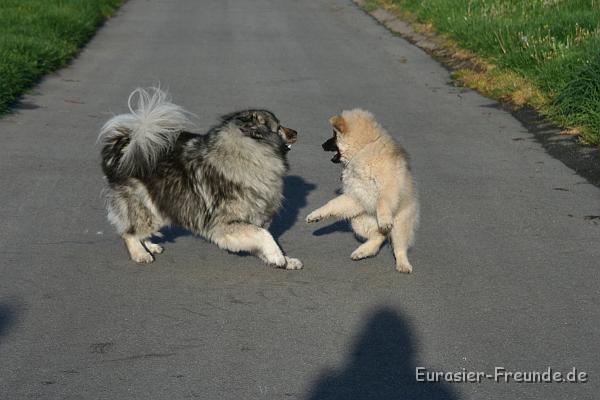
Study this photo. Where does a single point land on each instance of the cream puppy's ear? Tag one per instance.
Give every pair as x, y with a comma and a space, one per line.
339, 123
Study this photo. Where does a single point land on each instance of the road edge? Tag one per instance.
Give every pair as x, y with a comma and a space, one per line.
581, 158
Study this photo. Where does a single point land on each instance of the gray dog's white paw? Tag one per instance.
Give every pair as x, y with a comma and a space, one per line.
293, 263
154, 248
276, 261
313, 217
142, 258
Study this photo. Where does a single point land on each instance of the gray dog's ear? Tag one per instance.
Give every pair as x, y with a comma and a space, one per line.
238, 115
258, 118
339, 123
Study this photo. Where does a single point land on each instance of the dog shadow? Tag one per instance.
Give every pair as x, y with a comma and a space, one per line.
169, 234
295, 193
381, 365
338, 226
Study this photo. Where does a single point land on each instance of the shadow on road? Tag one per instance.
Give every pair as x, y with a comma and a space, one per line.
380, 366
169, 234
338, 226
582, 158
295, 192
8, 316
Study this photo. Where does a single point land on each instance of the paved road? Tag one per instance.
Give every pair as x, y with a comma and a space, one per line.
506, 262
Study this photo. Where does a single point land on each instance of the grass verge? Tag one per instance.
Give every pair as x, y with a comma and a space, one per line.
544, 54
40, 36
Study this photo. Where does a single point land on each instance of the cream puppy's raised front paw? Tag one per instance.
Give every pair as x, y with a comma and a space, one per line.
385, 225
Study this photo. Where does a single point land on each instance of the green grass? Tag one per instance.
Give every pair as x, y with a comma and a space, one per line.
40, 36
553, 44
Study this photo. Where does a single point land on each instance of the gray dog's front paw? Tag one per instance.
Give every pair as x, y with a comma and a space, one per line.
313, 217
154, 248
293, 263
276, 261
142, 258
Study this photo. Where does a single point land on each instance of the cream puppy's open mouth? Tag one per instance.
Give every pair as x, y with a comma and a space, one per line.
331, 145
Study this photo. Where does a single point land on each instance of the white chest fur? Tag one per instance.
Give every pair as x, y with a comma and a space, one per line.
360, 184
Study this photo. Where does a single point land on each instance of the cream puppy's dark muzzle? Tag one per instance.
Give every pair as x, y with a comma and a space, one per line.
331, 145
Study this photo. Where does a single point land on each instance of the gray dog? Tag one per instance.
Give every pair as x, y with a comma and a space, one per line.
225, 185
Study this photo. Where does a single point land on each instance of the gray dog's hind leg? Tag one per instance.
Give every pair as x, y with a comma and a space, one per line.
246, 237
137, 251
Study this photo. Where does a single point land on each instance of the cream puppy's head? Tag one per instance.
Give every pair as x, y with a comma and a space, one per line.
352, 130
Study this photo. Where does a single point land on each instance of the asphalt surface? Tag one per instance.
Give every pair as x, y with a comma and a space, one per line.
506, 259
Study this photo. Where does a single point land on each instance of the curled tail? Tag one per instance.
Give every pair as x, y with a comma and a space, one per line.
132, 144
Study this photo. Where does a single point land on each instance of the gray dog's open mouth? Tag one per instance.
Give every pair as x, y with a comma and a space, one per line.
289, 136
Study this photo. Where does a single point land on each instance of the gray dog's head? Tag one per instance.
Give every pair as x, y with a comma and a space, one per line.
262, 125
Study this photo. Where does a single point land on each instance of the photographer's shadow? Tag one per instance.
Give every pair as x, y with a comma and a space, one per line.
8, 317
381, 366
295, 192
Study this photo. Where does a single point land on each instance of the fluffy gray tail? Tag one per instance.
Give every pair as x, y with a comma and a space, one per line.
135, 142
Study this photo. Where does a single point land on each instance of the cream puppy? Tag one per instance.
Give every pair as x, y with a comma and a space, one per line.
379, 196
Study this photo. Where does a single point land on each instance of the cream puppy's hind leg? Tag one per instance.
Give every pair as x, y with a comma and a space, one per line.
404, 224
366, 226
342, 206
